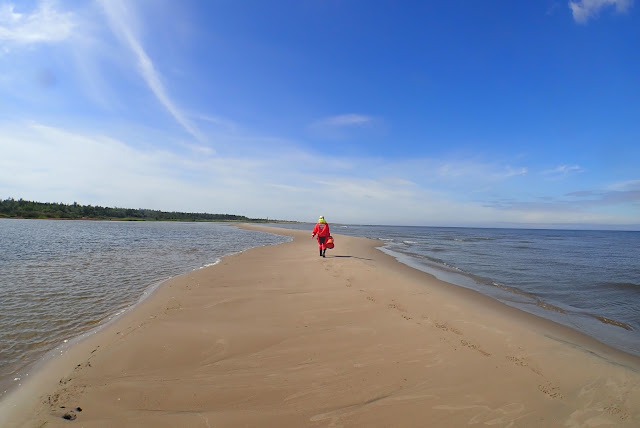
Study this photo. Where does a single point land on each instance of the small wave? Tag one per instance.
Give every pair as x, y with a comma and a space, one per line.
549, 307
409, 242
452, 267
474, 239
515, 290
210, 264
609, 321
430, 259
539, 303
627, 286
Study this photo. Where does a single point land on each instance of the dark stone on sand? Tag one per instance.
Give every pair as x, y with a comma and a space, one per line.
70, 416
78, 409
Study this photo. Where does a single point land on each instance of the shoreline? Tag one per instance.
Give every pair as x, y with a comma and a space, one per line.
617, 330
505, 295
363, 301
582, 339
13, 394
36, 366
89, 287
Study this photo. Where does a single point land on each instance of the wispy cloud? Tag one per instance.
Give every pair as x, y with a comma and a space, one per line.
285, 183
139, 176
220, 123
579, 201
379, 190
630, 185
479, 171
122, 22
348, 125
590, 198
562, 171
584, 10
43, 25
351, 119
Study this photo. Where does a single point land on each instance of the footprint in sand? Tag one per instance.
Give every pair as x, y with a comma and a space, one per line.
397, 307
475, 348
550, 390
445, 327
522, 363
616, 410
400, 308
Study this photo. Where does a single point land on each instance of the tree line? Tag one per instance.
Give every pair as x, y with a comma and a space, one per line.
29, 209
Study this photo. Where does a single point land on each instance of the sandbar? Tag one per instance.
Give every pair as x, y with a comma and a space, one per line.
277, 336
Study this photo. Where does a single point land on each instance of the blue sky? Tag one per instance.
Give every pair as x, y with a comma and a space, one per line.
445, 113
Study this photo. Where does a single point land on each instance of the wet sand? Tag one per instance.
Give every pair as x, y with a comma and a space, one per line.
278, 336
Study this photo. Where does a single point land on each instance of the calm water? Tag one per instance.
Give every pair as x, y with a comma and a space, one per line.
59, 279
588, 280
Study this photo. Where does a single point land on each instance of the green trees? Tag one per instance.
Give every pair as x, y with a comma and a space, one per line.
29, 209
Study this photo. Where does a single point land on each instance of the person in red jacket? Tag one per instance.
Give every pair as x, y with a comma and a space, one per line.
322, 230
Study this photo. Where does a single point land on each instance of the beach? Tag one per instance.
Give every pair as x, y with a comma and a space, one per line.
278, 336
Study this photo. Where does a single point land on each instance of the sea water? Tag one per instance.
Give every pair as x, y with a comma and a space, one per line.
60, 279
587, 280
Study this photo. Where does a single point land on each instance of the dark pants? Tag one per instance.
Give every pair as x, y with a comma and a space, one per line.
321, 244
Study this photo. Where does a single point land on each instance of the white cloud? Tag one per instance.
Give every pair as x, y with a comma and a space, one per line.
347, 120
379, 190
347, 126
342, 122
220, 123
478, 171
584, 10
51, 164
122, 21
630, 185
563, 170
45, 163
43, 25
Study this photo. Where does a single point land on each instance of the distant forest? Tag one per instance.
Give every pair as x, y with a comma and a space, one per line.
27, 209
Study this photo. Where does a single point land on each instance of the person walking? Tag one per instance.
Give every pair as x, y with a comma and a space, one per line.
322, 230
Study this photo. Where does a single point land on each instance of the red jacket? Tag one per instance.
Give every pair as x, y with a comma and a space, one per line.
321, 229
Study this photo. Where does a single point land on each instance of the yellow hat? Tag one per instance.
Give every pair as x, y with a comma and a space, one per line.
321, 219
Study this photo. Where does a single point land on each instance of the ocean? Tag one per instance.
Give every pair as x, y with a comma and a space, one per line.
584, 279
62, 279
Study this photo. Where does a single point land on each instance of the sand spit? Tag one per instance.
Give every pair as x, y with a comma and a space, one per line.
278, 336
